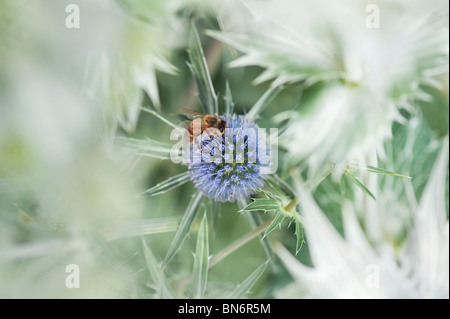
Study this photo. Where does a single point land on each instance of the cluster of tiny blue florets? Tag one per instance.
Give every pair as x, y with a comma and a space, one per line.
224, 179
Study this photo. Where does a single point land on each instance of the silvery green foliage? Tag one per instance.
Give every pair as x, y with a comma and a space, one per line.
134, 222
351, 267
120, 70
361, 76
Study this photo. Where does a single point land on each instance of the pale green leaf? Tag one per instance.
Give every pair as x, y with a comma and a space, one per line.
143, 227
156, 274
201, 260
279, 217
264, 100
342, 186
200, 72
278, 197
248, 283
265, 204
160, 116
315, 181
279, 184
167, 185
184, 227
147, 147
295, 58
299, 234
382, 171
229, 104
360, 185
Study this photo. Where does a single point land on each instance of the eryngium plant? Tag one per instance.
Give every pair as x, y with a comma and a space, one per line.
360, 66
358, 168
226, 168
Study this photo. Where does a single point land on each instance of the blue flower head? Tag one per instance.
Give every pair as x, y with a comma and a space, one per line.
227, 167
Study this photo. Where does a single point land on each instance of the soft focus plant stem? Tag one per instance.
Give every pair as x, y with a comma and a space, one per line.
228, 250
238, 243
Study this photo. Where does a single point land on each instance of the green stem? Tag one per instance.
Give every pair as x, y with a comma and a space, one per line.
228, 250
292, 204
238, 243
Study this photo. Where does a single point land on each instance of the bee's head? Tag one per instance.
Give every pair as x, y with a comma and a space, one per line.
211, 121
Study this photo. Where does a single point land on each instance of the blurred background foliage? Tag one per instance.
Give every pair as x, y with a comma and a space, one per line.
67, 192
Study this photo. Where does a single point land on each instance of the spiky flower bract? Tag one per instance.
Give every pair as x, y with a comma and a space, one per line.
229, 168
359, 81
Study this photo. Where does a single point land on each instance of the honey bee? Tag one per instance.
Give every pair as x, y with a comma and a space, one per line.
201, 123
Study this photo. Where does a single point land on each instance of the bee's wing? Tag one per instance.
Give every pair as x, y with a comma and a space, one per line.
185, 124
191, 113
